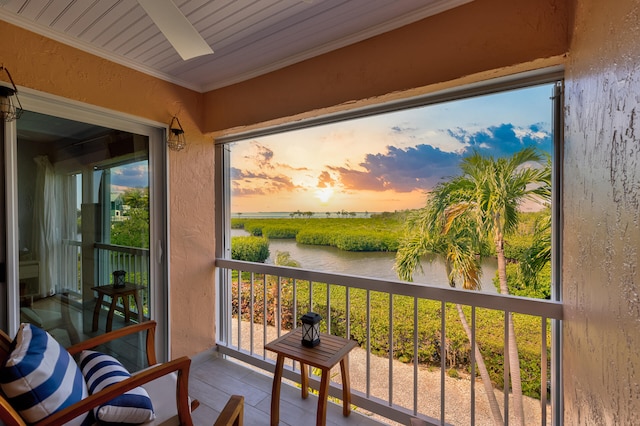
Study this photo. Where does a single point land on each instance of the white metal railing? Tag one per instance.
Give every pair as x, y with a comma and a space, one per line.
72, 265
134, 261
243, 288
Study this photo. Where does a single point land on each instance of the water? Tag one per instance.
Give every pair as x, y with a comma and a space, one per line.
370, 264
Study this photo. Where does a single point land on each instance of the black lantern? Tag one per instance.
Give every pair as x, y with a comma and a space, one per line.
118, 278
310, 329
176, 139
10, 106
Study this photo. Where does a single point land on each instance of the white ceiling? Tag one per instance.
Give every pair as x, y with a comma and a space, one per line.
249, 37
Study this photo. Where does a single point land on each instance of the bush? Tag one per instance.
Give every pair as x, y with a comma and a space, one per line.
315, 237
250, 249
516, 246
518, 287
366, 241
279, 232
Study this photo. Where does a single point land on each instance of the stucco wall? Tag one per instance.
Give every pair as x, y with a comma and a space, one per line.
602, 216
51, 67
472, 38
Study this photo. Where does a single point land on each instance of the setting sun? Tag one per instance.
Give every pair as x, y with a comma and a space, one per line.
324, 194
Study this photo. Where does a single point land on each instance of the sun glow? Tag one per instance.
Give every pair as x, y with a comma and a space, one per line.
324, 194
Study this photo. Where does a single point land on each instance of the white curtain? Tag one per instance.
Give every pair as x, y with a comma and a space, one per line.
68, 214
46, 232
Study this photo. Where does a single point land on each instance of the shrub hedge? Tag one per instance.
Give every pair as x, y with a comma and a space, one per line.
355, 234
250, 249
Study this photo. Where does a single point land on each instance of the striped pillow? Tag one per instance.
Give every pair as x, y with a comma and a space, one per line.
40, 377
100, 371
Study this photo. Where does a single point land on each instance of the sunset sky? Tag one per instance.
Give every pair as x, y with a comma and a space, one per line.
386, 162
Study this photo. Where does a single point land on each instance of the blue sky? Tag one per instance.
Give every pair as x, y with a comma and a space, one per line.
134, 175
386, 162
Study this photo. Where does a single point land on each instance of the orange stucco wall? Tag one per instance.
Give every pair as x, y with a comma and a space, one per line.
48, 66
601, 203
472, 38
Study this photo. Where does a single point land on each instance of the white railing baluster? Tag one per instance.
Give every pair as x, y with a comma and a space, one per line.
443, 359
251, 316
264, 318
415, 356
239, 316
368, 334
543, 373
473, 365
328, 322
390, 396
507, 366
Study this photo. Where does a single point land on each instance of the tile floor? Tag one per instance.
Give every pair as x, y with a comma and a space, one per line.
213, 379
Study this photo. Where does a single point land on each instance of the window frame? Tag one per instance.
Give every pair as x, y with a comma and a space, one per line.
501, 84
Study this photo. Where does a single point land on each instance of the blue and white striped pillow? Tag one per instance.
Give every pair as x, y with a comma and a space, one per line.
40, 377
100, 371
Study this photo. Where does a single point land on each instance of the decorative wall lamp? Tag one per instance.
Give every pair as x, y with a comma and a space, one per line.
176, 139
10, 106
310, 329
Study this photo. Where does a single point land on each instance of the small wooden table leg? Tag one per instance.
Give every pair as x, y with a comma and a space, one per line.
275, 391
346, 387
321, 416
112, 308
96, 312
137, 298
125, 305
304, 380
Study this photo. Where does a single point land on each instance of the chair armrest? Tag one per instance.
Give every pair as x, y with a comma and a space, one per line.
233, 412
148, 326
8, 415
180, 365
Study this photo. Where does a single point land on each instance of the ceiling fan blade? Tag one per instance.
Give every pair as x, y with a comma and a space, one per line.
176, 28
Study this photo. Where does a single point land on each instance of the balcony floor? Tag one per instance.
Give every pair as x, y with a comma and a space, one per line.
213, 379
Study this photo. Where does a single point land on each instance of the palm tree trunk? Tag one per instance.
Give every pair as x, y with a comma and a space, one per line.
484, 374
514, 359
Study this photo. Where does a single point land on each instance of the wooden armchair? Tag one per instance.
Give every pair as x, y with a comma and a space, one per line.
173, 408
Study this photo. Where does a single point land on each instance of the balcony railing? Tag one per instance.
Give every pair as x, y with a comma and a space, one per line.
72, 266
134, 261
259, 302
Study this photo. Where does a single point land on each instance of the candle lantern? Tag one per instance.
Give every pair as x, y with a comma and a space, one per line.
118, 278
310, 329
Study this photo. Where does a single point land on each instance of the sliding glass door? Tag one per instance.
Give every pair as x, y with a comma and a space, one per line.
88, 203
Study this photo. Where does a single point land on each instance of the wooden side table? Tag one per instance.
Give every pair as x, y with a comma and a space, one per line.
330, 351
115, 293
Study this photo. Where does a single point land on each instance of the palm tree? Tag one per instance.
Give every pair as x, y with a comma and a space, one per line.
425, 234
492, 190
538, 256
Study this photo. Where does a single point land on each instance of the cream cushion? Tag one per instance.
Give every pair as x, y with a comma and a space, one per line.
162, 392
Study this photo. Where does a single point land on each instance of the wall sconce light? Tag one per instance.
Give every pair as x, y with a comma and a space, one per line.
176, 139
310, 329
10, 106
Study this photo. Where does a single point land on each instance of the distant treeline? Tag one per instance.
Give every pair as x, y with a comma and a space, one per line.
379, 232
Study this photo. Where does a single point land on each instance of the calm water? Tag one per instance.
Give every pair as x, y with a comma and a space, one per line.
372, 264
